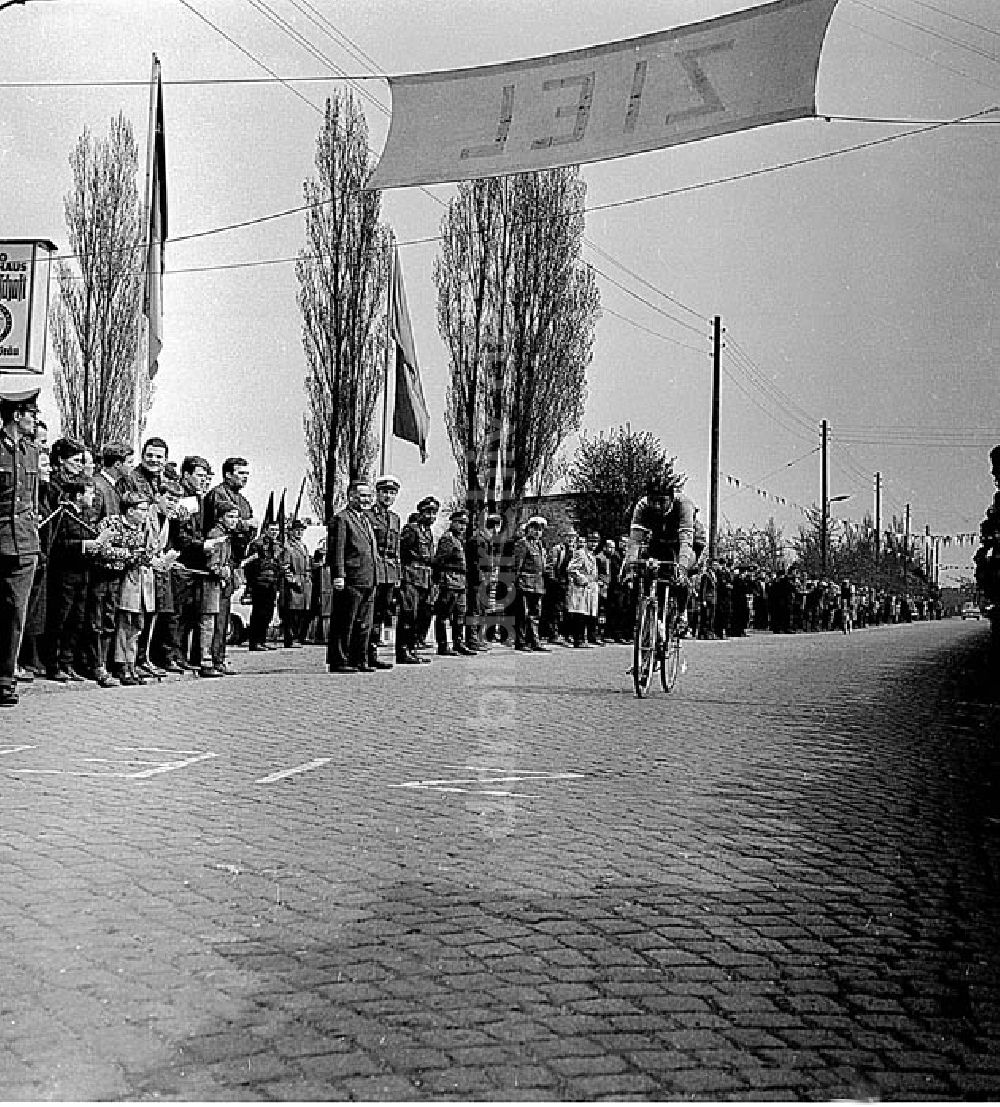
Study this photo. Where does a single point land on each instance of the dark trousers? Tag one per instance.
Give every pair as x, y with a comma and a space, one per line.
351, 611
449, 610
527, 612
67, 606
221, 630
183, 628
100, 618
262, 599
477, 601
16, 574
553, 609
381, 617
414, 604
294, 621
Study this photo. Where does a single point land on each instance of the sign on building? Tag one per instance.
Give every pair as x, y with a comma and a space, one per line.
24, 303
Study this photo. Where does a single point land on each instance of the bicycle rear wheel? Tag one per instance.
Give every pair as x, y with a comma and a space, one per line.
644, 647
670, 666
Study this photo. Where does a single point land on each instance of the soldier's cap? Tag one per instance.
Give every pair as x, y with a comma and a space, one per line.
386, 480
428, 502
461, 515
296, 524
537, 521
19, 396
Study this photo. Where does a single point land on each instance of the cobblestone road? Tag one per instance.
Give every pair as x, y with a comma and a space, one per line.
507, 878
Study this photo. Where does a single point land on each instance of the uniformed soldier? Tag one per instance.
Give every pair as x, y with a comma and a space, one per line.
385, 524
416, 557
529, 582
479, 566
18, 528
449, 573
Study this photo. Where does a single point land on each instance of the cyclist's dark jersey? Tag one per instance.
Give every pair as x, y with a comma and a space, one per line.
671, 532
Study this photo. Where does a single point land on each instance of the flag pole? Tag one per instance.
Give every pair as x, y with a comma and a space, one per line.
142, 354
390, 360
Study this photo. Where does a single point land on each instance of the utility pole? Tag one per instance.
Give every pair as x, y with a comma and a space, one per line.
878, 518
906, 549
824, 514
713, 476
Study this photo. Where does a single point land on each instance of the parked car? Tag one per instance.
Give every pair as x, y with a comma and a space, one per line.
970, 610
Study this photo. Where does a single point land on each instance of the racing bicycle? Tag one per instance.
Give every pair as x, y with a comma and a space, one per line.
657, 642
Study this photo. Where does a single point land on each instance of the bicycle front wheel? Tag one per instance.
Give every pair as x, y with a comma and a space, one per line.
671, 663
644, 647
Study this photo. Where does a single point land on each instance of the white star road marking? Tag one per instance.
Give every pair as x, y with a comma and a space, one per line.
181, 759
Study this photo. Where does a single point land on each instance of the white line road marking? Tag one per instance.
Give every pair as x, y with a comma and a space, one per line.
18, 749
307, 767
501, 776
169, 767
121, 760
510, 778
153, 749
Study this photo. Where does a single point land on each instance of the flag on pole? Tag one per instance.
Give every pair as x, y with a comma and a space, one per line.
156, 201
410, 419
268, 514
281, 517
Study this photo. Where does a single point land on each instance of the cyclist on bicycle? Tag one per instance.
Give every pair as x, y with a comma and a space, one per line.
663, 527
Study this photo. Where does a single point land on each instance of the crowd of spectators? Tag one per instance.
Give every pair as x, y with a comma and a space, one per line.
133, 570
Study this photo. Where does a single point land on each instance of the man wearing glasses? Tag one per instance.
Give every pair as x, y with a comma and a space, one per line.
18, 528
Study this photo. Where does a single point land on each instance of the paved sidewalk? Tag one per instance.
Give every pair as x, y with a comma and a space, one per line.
507, 878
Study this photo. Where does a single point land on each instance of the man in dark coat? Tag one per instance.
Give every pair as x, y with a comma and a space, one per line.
450, 576
228, 494
265, 569
416, 558
478, 577
351, 553
295, 596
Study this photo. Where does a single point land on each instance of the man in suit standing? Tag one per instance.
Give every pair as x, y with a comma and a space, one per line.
351, 553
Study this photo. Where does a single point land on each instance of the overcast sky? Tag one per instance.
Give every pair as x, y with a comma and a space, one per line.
861, 288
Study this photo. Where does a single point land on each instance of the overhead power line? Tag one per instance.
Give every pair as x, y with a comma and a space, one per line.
960, 43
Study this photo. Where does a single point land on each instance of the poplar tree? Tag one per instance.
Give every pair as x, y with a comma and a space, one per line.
517, 310
342, 274
96, 318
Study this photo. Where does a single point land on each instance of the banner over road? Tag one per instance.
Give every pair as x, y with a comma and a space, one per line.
733, 73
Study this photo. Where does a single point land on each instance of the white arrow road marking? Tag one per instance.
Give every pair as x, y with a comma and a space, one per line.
307, 767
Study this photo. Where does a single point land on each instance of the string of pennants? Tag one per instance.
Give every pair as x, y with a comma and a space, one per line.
891, 539
735, 482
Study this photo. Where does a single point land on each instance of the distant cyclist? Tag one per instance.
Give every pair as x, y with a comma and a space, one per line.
848, 604
663, 527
